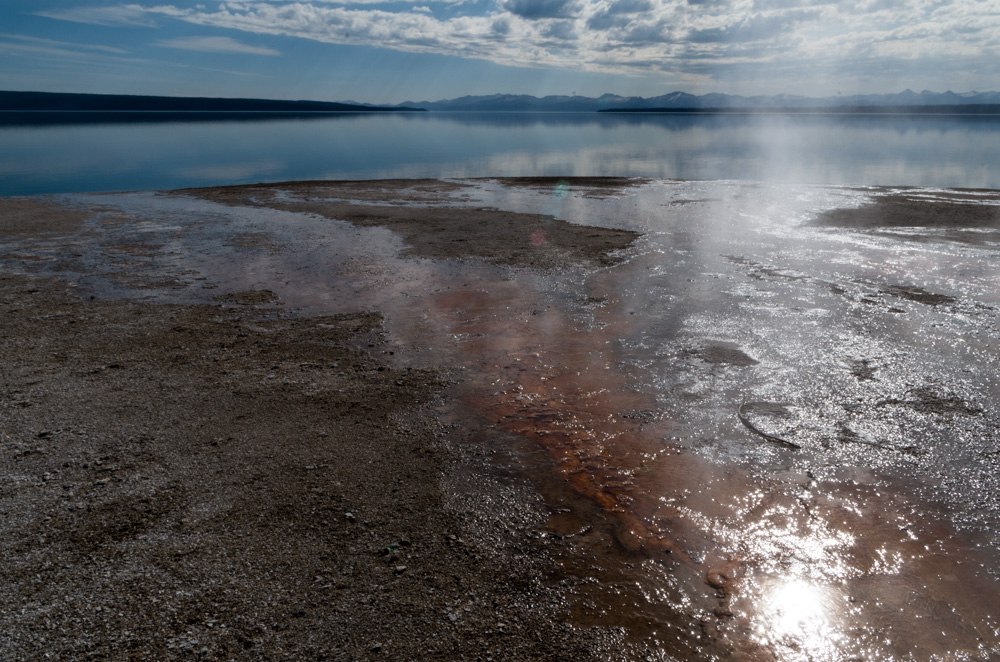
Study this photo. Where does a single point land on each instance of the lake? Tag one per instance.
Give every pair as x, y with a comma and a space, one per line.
86, 152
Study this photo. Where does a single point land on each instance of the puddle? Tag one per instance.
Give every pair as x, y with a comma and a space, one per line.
759, 437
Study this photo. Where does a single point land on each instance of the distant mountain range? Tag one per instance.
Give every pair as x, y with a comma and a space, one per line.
685, 101
906, 101
56, 101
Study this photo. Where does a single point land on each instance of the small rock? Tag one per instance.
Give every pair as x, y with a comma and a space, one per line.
376, 647
350, 517
399, 569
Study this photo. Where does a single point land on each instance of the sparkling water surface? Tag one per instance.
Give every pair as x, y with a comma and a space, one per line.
770, 439
760, 437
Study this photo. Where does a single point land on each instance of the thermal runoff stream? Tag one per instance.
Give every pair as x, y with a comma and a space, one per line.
762, 417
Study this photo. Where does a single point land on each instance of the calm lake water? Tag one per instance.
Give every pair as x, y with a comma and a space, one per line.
58, 152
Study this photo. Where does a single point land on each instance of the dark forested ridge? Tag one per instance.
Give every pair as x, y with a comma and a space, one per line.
57, 101
979, 103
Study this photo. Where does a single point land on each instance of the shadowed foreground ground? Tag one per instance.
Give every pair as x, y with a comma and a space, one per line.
499, 419
216, 482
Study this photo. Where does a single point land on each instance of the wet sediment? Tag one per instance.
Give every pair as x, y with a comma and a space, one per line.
419, 214
916, 208
693, 557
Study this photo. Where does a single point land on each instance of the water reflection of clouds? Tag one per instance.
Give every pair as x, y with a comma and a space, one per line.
785, 153
860, 152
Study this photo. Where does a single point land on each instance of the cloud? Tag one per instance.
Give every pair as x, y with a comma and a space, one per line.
215, 45
90, 57
501, 26
564, 30
756, 27
112, 16
377, 2
62, 44
535, 9
647, 33
53, 52
618, 14
694, 41
629, 7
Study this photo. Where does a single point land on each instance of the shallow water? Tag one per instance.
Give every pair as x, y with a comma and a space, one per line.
762, 438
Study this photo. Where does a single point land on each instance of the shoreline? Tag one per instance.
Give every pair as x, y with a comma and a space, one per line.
421, 418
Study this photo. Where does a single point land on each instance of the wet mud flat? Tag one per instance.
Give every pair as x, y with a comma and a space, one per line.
222, 481
520, 419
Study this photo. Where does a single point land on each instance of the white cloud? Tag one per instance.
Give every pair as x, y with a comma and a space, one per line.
61, 44
114, 16
93, 56
696, 41
215, 45
532, 9
39, 52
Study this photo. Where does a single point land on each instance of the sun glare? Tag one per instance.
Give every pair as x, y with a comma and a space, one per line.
798, 614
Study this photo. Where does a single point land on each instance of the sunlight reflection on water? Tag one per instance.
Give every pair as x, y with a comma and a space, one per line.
800, 615
630, 379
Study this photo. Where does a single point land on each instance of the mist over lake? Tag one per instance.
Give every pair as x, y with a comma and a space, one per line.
60, 152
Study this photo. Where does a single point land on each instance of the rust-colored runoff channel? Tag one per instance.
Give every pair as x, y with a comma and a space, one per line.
698, 558
788, 568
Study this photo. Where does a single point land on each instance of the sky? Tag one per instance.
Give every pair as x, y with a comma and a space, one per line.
390, 52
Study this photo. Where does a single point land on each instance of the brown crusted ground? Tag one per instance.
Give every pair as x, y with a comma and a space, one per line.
438, 232
217, 482
25, 217
953, 209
